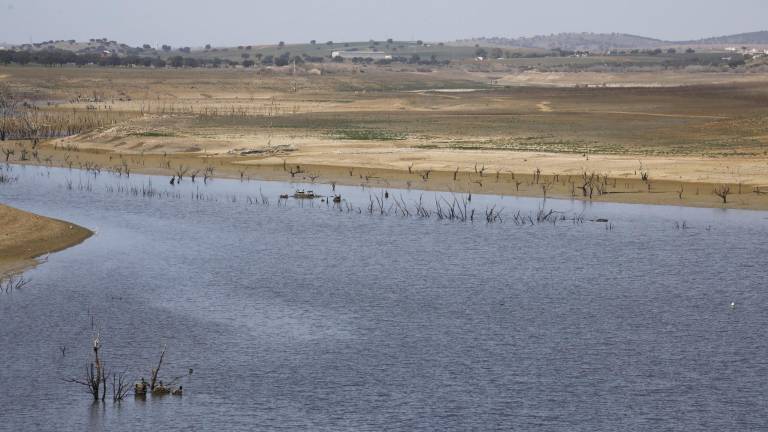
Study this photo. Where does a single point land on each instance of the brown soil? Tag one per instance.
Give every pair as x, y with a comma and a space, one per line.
26, 236
690, 132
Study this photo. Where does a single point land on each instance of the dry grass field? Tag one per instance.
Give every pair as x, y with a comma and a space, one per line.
669, 137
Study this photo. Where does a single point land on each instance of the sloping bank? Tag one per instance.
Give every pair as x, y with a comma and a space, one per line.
25, 236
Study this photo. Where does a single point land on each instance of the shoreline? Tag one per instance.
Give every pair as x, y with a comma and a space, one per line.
27, 236
641, 145
617, 186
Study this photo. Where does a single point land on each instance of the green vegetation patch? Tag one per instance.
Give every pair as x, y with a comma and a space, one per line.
367, 135
544, 143
153, 134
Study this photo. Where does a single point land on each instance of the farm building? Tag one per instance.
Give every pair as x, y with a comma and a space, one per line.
376, 55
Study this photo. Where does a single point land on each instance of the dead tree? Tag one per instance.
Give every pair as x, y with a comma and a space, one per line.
545, 187
208, 173
32, 124
8, 152
181, 171
298, 170
8, 111
722, 191
120, 386
13, 283
588, 184
95, 378
155, 371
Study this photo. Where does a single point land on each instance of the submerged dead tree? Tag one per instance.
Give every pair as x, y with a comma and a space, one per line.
120, 387
95, 377
156, 371
722, 191
588, 184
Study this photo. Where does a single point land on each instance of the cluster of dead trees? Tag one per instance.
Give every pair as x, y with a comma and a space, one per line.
6, 176
22, 119
456, 209
12, 283
589, 184
97, 379
182, 170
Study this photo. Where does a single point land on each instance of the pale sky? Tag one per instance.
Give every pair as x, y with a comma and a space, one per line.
236, 22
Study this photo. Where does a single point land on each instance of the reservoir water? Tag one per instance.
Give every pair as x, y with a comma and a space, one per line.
303, 316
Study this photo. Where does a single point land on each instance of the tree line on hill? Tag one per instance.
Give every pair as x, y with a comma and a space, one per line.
58, 57
64, 57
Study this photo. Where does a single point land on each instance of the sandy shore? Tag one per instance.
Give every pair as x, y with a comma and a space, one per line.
26, 236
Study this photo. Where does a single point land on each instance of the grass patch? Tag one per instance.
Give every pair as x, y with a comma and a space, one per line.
153, 134
367, 135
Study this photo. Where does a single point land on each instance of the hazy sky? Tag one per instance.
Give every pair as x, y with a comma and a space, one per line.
228, 22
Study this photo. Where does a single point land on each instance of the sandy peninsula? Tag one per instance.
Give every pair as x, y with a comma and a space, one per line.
26, 236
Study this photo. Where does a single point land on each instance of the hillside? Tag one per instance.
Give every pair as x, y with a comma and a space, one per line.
608, 41
753, 38
618, 46
578, 41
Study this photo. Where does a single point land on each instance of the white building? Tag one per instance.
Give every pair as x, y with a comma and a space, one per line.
376, 55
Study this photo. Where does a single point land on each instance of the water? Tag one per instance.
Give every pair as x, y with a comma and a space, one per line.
308, 318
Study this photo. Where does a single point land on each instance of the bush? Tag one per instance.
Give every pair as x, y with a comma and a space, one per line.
283, 59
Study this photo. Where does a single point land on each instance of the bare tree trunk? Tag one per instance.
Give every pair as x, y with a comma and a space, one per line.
156, 370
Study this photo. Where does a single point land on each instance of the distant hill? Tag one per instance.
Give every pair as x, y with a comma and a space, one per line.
464, 49
753, 38
609, 41
578, 41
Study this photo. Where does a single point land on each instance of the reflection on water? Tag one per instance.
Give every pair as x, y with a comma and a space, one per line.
308, 316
